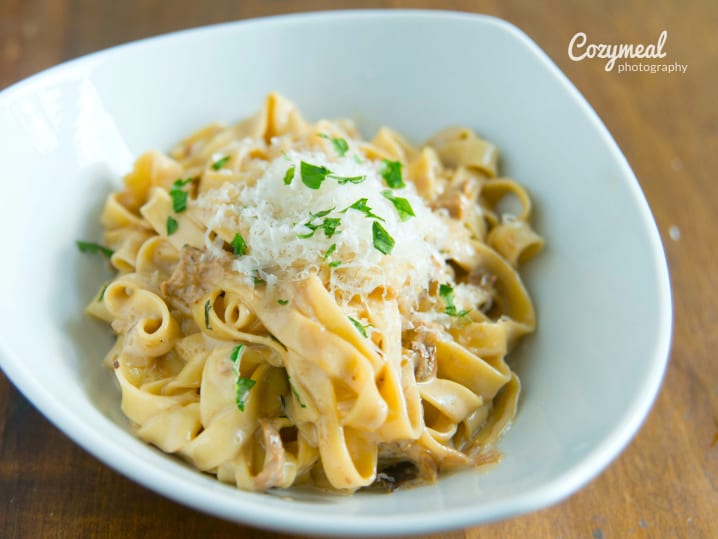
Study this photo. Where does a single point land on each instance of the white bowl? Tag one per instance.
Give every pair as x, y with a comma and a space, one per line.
601, 286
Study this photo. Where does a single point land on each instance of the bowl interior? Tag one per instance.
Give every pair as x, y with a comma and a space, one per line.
589, 374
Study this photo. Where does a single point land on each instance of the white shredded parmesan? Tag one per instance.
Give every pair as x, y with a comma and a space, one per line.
271, 216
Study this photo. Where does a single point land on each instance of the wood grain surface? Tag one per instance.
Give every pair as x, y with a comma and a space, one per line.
666, 482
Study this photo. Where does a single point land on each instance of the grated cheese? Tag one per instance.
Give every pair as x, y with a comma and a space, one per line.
272, 215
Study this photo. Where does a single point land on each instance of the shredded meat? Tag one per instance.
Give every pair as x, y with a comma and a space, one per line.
404, 465
459, 199
397, 474
194, 275
272, 474
455, 202
425, 355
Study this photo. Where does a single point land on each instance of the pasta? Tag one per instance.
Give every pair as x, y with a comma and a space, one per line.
296, 305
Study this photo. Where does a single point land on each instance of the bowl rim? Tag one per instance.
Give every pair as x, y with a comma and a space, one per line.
265, 516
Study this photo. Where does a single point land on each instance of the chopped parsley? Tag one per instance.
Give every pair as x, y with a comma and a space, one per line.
361, 328
391, 172
328, 225
383, 242
446, 292
179, 195
402, 205
340, 145
321, 213
242, 384
239, 247
172, 225
207, 307
333, 263
91, 247
341, 180
235, 355
220, 163
242, 388
328, 253
102, 293
332, 248
312, 175
289, 175
282, 301
361, 205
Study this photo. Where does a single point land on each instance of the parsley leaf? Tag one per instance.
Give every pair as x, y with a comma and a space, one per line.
329, 225
220, 163
172, 225
207, 307
91, 247
340, 145
239, 247
307, 235
333, 263
179, 200
242, 391
179, 195
102, 293
289, 175
361, 328
361, 205
383, 242
391, 172
282, 301
402, 205
312, 175
332, 248
236, 353
446, 292
242, 385
235, 356
341, 180
322, 213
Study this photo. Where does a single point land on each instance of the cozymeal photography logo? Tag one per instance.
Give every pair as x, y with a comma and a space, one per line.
622, 56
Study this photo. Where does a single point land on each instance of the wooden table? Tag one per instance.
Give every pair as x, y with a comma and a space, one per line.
664, 485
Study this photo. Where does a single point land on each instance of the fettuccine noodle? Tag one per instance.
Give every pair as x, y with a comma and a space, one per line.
296, 305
